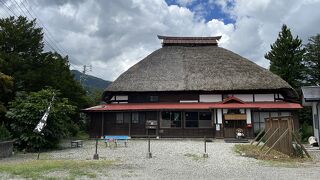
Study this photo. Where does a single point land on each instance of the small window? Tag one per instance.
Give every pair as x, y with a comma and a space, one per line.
119, 118
135, 118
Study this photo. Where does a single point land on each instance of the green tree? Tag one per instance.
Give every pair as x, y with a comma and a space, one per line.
6, 85
26, 111
312, 59
286, 58
23, 58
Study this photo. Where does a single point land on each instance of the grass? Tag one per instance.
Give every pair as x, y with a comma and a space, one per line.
64, 169
273, 156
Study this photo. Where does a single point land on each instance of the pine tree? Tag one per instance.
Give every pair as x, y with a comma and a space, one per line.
312, 59
286, 58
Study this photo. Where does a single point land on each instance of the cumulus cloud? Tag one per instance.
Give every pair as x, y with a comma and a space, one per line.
114, 35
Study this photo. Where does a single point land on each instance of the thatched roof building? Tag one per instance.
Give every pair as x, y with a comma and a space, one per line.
191, 87
193, 66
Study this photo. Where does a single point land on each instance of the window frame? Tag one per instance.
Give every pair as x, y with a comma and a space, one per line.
122, 120
133, 120
181, 120
211, 120
185, 120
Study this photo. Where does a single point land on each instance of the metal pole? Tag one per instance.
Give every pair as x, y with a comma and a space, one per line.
38, 153
205, 154
96, 155
149, 155
205, 145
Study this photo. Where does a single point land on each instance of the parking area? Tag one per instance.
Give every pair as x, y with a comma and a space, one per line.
180, 159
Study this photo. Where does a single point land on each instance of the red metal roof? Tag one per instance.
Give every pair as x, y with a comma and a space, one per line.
186, 106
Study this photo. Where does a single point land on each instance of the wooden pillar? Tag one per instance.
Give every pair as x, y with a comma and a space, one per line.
102, 124
129, 133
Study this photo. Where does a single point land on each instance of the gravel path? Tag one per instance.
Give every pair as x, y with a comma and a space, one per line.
182, 159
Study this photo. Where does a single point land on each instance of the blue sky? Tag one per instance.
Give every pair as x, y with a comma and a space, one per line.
205, 9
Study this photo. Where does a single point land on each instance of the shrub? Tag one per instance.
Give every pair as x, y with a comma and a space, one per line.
26, 111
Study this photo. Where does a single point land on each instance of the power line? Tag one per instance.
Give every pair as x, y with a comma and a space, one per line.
14, 14
49, 35
52, 44
4, 3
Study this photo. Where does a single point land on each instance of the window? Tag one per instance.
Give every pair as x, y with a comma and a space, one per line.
205, 119
135, 118
191, 119
119, 118
170, 119
154, 98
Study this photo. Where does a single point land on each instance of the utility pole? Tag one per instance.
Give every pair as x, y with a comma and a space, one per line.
86, 69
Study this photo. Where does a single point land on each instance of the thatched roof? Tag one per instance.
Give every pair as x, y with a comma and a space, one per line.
196, 68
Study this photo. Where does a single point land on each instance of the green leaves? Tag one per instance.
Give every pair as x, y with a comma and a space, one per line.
22, 58
26, 111
312, 60
286, 58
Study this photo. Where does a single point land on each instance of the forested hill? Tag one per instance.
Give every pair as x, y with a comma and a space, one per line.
91, 82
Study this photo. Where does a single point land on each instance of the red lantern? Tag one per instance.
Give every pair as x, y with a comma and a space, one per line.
249, 125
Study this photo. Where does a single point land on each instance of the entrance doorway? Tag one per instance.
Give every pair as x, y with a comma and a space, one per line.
230, 127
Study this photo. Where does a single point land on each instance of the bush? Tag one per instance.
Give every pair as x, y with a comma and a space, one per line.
4, 133
26, 111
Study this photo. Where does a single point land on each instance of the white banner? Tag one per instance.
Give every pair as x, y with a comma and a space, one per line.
43, 122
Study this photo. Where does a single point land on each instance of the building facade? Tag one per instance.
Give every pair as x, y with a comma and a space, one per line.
191, 87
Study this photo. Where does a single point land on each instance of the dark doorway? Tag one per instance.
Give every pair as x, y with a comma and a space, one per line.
230, 127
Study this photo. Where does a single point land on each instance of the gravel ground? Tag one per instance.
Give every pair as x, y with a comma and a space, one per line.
181, 159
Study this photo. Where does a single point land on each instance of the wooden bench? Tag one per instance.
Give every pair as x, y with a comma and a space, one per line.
116, 140
76, 143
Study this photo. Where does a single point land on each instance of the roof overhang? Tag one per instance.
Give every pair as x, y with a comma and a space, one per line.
192, 106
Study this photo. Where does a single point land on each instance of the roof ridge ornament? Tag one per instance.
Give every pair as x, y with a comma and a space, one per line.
189, 41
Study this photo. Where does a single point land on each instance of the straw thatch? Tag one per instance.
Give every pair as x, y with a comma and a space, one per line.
199, 68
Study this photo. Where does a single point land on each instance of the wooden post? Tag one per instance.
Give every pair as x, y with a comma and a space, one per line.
102, 124
129, 133
265, 134
259, 134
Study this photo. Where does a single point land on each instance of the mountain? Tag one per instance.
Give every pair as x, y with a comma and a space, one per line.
91, 83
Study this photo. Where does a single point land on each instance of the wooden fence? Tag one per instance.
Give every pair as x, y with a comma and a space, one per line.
280, 132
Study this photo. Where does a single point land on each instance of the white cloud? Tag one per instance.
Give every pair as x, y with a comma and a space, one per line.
114, 35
